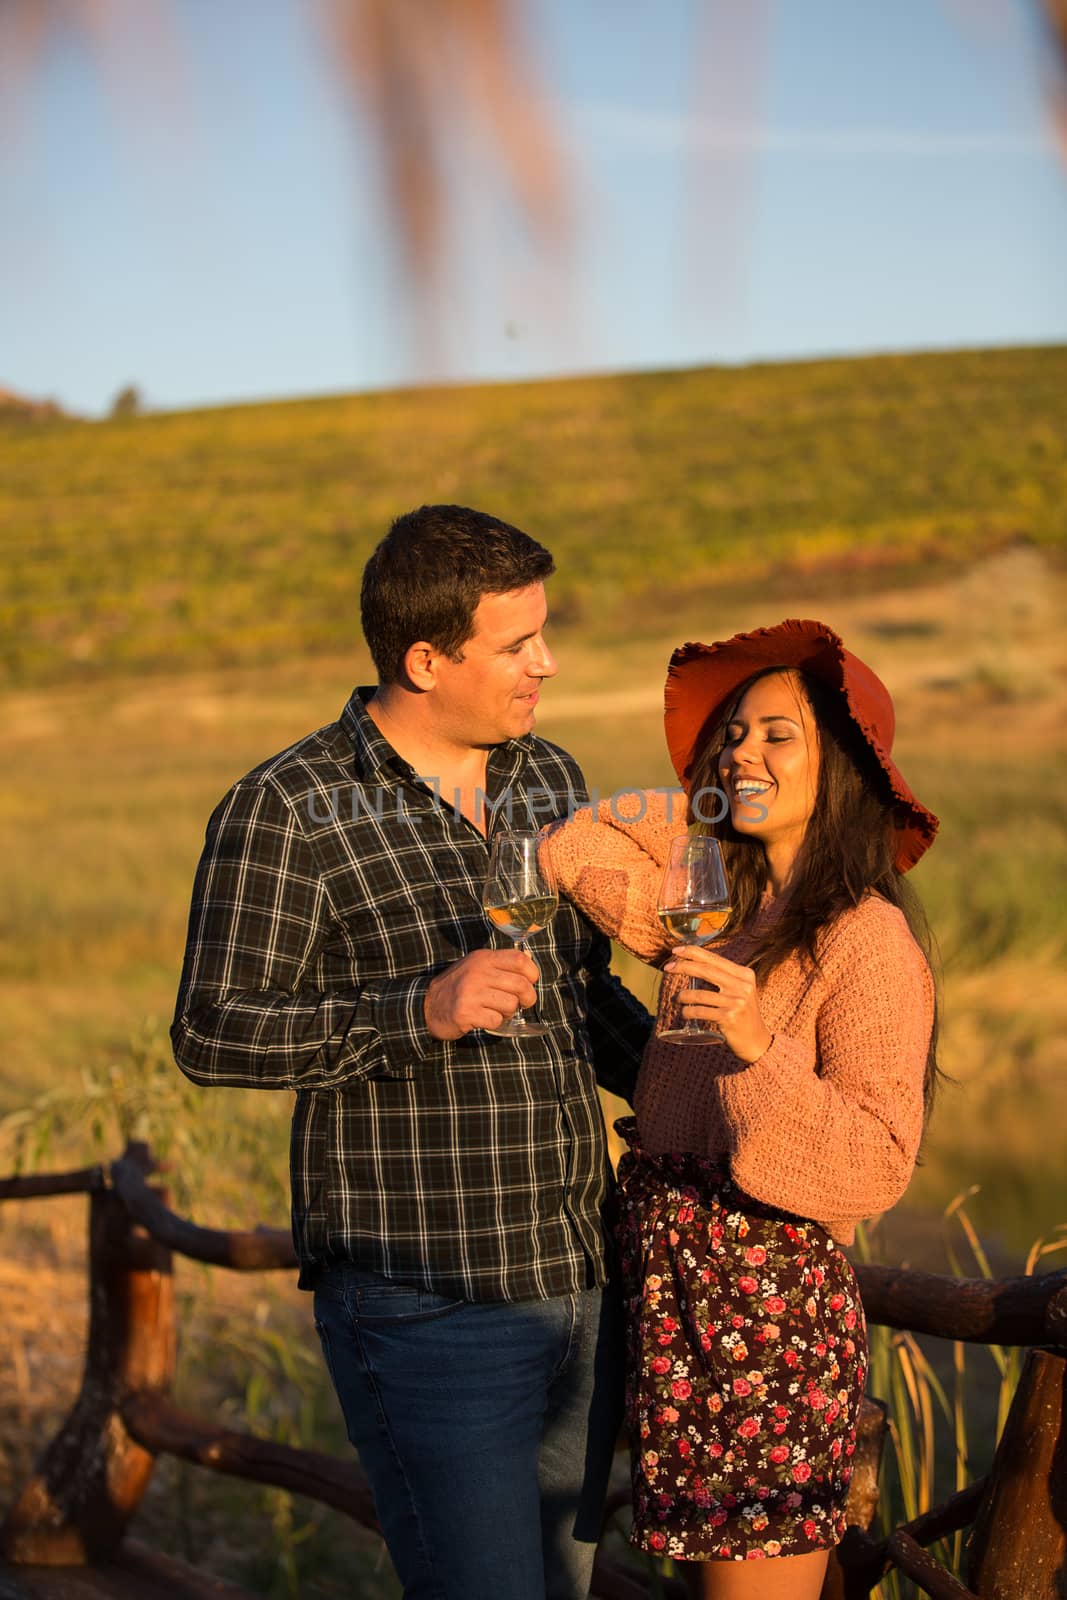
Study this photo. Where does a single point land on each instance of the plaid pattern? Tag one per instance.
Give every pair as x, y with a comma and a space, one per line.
332, 887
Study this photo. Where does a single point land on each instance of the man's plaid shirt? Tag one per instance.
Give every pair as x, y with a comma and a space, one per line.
332, 887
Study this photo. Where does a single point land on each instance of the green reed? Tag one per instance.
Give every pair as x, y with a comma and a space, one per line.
943, 1427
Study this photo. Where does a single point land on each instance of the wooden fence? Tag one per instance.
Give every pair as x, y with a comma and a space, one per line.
85, 1488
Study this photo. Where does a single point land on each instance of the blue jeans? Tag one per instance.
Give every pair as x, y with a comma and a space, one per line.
486, 1430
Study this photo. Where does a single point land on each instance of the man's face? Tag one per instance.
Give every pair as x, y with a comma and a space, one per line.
491, 694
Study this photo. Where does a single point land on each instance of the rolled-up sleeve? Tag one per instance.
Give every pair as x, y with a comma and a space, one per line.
853, 1105
610, 863
246, 1015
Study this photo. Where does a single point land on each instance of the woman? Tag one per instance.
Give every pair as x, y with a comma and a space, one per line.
753, 1158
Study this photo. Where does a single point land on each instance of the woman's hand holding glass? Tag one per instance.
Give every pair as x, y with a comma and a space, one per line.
694, 903
732, 1005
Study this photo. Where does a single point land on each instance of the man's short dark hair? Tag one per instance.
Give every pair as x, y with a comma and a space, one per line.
426, 578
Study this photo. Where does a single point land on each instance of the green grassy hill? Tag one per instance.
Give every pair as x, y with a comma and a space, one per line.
229, 536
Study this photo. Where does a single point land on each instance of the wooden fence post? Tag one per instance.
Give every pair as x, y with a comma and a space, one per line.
1019, 1543
90, 1479
843, 1581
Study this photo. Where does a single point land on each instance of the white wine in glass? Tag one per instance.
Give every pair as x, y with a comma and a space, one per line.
520, 899
694, 904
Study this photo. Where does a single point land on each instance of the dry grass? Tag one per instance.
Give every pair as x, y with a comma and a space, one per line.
109, 787
248, 1356
101, 819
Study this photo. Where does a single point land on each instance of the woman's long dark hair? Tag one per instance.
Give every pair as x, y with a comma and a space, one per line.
847, 850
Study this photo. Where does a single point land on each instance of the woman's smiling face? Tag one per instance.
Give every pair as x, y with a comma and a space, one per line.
769, 765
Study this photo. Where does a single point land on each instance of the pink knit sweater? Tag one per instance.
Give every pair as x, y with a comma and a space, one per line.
827, 1123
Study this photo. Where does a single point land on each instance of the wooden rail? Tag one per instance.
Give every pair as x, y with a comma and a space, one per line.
1011, 1311
88, 1482
81, 1182
1008, 1311
262, 1250
164, 1430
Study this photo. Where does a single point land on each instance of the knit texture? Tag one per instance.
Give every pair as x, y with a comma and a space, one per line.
827, 1123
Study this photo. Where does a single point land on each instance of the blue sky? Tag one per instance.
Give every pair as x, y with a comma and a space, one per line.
884, 178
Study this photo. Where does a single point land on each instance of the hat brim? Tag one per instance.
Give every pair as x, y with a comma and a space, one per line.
703, 678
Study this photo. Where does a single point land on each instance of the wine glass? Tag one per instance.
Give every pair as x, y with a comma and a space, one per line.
520, 899
694, 903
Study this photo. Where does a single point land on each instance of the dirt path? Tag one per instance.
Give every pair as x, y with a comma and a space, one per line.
997, 619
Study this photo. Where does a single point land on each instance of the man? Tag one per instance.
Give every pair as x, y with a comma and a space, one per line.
447, 1182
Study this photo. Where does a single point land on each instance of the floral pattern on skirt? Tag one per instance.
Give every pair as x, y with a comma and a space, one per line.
746, 1360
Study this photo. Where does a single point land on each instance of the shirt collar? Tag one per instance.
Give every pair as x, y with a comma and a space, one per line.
376, 757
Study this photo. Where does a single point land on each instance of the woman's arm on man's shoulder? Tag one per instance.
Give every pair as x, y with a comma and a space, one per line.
610, 862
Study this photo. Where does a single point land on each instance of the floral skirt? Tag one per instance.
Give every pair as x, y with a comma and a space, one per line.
746, 1359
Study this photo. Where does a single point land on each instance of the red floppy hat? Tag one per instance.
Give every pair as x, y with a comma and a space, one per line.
703, 678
